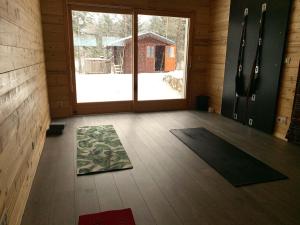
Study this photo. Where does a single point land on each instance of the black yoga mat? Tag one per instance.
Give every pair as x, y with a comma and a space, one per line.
238, 167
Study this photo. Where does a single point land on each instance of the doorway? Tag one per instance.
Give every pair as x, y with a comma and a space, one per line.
159, 58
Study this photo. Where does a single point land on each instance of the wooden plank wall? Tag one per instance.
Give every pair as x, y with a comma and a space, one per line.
219, 17
55, 42
289, 73
24, 111
55, 39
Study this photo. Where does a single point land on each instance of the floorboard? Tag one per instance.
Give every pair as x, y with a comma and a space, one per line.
169, 184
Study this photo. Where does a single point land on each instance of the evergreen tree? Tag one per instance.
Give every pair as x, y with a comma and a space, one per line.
107, 26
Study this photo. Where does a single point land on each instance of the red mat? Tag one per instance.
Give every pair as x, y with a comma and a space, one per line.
114, 217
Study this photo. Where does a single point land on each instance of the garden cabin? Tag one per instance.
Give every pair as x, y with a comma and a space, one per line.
156, 53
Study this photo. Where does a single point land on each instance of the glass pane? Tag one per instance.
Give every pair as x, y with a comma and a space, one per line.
103, 56
162, 57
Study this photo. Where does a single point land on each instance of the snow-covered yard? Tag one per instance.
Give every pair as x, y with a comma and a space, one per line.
118, 87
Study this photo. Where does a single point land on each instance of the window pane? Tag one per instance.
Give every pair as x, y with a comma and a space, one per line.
103, 56
171, 52
150, 51
162, 57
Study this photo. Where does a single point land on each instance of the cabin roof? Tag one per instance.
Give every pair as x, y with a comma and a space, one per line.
122, 41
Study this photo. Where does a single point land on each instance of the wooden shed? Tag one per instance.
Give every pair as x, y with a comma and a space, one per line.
155, 53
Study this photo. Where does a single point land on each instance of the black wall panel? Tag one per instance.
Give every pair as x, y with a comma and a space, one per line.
263, 110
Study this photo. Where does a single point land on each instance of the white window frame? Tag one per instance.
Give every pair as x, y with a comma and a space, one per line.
150, 51
171, 52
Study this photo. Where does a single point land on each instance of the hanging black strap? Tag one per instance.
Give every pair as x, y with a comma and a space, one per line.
255, 71
239, 79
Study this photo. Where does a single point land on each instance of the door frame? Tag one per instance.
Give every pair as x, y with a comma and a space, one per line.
132, 105
162, 50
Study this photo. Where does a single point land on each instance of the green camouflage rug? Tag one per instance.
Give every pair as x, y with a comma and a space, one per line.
99, 149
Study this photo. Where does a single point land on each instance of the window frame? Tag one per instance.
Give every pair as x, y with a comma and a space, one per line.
134, 105
150, 51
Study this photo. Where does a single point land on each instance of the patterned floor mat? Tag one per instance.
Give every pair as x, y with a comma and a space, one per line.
99, 149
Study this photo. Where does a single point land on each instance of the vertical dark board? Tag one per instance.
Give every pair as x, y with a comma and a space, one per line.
263, 110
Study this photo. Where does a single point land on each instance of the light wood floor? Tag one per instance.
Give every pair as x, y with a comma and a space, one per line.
169, 184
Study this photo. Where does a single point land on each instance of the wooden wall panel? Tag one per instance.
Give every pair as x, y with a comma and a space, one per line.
56, 37
219, 16
289, 73
57, 69
24, 110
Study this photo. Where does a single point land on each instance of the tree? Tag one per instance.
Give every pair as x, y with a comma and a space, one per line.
80, 21
109, 27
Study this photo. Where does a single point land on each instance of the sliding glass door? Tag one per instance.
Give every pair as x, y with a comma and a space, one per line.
102, 56
162, 57
127, 61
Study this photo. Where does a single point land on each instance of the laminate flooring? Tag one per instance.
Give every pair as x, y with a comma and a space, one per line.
169, 184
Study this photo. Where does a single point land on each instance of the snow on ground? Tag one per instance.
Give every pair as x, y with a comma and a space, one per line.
118, 87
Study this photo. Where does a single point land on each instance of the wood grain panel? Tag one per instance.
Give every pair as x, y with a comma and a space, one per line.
219, 17
13, 35
24, 110
57, 69
12, 58
289, 74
